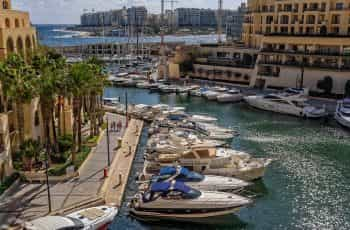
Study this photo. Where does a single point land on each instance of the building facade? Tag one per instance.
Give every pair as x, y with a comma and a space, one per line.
187, 17
16, 32
299, 42
107, 18
16, 36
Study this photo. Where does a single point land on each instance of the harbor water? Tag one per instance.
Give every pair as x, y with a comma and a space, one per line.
306, 187
57, 35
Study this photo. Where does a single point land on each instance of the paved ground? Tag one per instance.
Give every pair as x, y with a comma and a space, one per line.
115, 187
30, 200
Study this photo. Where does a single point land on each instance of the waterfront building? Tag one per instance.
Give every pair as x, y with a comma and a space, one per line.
107, 18
16, 36
299, 42
187, 17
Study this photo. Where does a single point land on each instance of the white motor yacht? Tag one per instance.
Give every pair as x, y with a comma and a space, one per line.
111, 101
291, 105
208, 161
211, 95
342, 113
96, 218
230, 96
203, 118
176, 200
198, 181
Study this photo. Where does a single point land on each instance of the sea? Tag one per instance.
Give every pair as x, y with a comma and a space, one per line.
307, 186
60, 35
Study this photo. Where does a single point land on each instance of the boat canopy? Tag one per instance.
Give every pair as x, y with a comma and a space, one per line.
166, 187
184, 175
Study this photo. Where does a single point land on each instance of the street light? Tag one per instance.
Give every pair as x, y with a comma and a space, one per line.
108, 153
47, 179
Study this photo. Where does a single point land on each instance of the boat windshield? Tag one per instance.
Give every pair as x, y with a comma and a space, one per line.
78, 224
345, 113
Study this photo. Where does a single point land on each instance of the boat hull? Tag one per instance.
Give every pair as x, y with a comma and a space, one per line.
196, 217
342, 121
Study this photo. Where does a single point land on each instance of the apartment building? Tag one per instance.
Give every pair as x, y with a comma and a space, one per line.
16, 36
299, 42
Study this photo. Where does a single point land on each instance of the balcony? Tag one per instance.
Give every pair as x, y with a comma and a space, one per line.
228, 62
298, 52
268, 73
318, 65
331, 35
315, 9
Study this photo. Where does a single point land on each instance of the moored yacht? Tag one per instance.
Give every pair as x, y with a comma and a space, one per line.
211, 95
198, 181
210, 161
342, 113
231, 96
291, 105
177, 201
96, 218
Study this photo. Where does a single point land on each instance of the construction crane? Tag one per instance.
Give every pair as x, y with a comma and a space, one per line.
162, 73
219, 20
172, 18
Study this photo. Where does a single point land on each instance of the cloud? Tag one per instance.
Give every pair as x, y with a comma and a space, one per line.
69, 11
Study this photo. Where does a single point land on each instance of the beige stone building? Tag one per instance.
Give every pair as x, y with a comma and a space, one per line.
16, 31
295, 35
282, 41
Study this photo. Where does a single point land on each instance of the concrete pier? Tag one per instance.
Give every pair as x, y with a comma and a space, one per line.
114, 187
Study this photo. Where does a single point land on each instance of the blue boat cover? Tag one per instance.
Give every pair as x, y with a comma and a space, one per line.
160, 186
166, 187
168, 170
346, 100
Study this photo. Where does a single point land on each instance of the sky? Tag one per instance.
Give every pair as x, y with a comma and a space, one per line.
69, 11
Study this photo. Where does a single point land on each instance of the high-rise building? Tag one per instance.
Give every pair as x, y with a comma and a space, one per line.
300, 42
107, 18
187, 17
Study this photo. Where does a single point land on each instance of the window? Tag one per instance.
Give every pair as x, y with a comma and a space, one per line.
339, 6
7, 23
336, 19
16, 23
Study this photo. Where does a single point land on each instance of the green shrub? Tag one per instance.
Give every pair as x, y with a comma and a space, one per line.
59, 170
8, 181
65, 143
81, 156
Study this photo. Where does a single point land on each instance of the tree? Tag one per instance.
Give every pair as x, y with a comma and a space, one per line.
18, 86
326, 84
78, 82
47, 83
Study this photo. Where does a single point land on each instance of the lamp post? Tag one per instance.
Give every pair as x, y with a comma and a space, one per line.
108, 153
47, 180
126, 109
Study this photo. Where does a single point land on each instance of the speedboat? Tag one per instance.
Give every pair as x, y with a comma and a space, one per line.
211, 95
203, 118
96, 218
342, 113
208, 161
231, 96
167, 89
175, 200
111, 101
198, 181
291, 105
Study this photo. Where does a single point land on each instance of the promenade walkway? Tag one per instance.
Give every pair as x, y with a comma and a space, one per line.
114, 188
30, 201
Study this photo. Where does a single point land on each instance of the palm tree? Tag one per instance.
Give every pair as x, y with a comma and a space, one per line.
17, 81
98, 81
78, 81
48, 81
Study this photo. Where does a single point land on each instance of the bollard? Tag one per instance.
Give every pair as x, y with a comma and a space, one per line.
105, 172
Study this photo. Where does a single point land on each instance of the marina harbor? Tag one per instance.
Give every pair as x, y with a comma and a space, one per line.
175, 115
